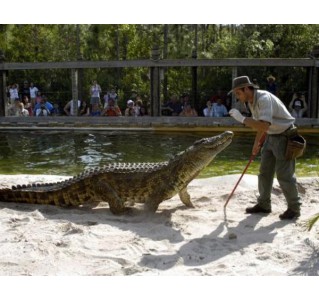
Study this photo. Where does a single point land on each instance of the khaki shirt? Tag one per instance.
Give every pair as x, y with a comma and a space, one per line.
267, 107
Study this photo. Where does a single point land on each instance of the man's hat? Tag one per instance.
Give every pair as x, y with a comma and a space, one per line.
271, 77
242, 81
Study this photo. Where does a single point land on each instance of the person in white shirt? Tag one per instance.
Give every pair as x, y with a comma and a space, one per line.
14, 93
14, 96
219, 109
22, 112
273, 125
33, 93
208, 111
95, 92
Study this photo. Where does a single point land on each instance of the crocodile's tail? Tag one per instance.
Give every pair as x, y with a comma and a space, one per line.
24, 196
57, 197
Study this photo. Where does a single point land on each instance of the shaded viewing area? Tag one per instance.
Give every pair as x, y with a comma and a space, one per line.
155, 65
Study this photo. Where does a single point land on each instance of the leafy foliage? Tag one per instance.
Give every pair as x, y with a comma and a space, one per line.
69, 42
311, 222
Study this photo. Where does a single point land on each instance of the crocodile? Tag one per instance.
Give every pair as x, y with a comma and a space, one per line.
122, 183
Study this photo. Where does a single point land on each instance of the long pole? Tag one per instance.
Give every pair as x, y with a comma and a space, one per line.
252, 157
232, 192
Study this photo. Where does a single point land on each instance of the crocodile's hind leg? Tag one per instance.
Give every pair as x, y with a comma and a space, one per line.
108, 194
185, 197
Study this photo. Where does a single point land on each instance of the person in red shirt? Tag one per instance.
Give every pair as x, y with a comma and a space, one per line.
111, 109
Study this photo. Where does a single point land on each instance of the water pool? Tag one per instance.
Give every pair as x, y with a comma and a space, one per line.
71, 152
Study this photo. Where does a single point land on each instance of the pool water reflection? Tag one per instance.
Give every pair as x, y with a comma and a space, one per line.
68, 153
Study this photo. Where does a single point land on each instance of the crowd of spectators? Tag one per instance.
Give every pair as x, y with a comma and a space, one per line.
30, 101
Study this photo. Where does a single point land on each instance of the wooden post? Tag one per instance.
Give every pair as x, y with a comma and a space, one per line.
234, 75
194, 70
155, 84
165, 54
194, 83
79, 58
314, 107
309, 79
75, 89
3, 86
313, 102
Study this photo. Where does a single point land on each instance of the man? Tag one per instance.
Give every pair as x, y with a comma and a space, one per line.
219, 109
95, 91
70, 108
271, 85
269, 115
298, 105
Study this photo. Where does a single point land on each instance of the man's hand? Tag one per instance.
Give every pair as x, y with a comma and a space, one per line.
237, 115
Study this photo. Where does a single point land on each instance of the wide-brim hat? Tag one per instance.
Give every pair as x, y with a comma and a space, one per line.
242, 81
271, 77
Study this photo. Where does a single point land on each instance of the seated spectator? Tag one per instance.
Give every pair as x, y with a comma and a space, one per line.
38, 98
208, 110
140, 109
173, 107
84, 109
70, 108
42, 111
14, 110
22, 112
188, 111
185, 99
43, 106
95, 110
219, 109
130, 111
298, 105
111, 110
27, 104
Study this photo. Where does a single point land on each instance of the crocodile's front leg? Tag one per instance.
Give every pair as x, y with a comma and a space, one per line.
151, 205
185, 197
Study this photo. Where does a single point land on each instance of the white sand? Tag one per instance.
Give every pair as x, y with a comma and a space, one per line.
47, 240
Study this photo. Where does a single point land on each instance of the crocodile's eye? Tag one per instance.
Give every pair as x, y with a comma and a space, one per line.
199, 141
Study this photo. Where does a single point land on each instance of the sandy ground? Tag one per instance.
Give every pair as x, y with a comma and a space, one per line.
47, 240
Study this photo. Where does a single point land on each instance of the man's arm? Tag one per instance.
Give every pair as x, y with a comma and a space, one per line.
261, 127
67, 109
258, 125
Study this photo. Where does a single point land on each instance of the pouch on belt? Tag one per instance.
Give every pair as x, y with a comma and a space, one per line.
296, 145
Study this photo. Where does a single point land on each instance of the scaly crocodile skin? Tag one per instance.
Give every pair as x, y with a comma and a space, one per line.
117, 183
